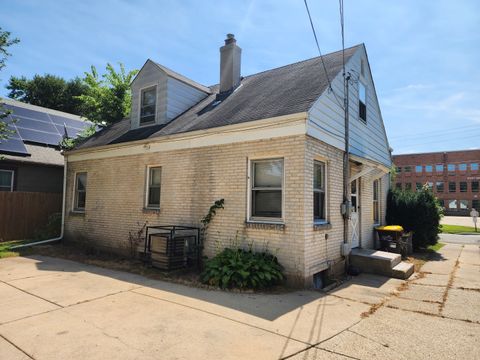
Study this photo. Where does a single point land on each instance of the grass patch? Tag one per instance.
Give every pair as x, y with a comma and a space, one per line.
5, 249
456, 229
435, 247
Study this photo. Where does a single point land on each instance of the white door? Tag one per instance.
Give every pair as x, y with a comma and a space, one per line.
355, 215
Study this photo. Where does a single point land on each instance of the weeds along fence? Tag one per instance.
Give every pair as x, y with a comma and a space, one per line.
24, 213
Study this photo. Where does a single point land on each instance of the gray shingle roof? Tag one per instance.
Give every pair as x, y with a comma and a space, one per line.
281, 91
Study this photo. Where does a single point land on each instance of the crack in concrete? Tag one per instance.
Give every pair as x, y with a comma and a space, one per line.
450, 280
16, 347
26, 292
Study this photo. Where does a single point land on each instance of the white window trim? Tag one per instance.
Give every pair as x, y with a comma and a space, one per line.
74, 198
12, 181
153, 85
147, 187
377, 222
264, 220
321, 221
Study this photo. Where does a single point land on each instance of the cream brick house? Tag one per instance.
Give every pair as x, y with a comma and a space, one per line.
271, 144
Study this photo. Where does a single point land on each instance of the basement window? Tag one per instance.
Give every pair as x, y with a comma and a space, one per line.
362, 102
148, 105
6, 180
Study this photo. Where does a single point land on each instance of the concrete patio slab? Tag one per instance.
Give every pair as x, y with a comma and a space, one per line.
470, 255
318, 354
170, 331
433, 280
367, 288
419, 336
423, 293
16, 304
10, 352
467, 276
68, 288
413, 305
356, 346
463, 304
305, 316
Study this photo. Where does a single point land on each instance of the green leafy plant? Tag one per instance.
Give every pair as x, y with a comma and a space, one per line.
242, 269
418, 211
68, 143
51, 229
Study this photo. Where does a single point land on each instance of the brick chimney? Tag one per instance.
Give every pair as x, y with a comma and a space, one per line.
230, 58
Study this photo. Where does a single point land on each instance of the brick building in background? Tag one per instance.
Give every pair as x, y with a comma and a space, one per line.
454, 177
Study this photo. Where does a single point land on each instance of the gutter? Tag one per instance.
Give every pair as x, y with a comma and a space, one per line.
62, 228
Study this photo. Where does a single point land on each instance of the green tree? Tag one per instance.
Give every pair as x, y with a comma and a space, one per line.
5, 42
108, 97
49, 91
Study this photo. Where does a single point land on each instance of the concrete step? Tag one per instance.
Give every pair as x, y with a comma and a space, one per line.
374, 261
402, 271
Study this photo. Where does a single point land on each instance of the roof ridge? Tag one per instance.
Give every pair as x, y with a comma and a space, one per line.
305, 60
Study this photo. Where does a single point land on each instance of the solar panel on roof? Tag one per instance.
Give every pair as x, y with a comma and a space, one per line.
39, 136
35, 125
39, 127
28, 113
60, 120
13, 146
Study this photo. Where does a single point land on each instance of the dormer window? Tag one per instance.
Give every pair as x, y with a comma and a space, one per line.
148, 105
362, 102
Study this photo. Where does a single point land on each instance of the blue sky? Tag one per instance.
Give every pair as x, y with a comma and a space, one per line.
425, 55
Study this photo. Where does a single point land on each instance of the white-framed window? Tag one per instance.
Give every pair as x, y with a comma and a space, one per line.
154, 185
451, 167
452, 204
418, 168
362, 102
428, 168
462, 167
376, 201
439, 168
266, 189
148, 102
319, 192
474, 166
80, 196
6, 180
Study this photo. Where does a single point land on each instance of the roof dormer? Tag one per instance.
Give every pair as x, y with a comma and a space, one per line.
160, 94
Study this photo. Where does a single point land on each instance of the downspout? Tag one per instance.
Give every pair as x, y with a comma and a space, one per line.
346, 171
62, 227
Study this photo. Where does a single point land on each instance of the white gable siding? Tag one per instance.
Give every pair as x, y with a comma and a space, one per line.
149, 75
326, 117
181, 97
173, 96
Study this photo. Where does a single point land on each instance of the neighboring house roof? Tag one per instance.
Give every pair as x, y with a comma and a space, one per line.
35, 132
39, 154
281, 91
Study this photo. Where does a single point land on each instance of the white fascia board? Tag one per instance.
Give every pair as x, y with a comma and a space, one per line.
369, 162
281, 126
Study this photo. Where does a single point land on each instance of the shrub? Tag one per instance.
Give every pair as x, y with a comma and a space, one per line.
242, 269
419, 212
51, 229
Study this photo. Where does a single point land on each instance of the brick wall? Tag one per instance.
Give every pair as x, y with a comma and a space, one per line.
192, 179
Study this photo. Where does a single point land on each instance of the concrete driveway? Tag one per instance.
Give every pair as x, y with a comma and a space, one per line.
58, 309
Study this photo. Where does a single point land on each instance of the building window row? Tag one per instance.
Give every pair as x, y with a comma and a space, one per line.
439, 168
440, 186
266, 190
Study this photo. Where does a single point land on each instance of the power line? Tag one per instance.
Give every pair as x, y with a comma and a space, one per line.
437, 132
330, 88
432, 141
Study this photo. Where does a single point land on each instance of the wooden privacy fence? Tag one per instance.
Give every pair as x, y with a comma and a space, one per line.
23, 213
